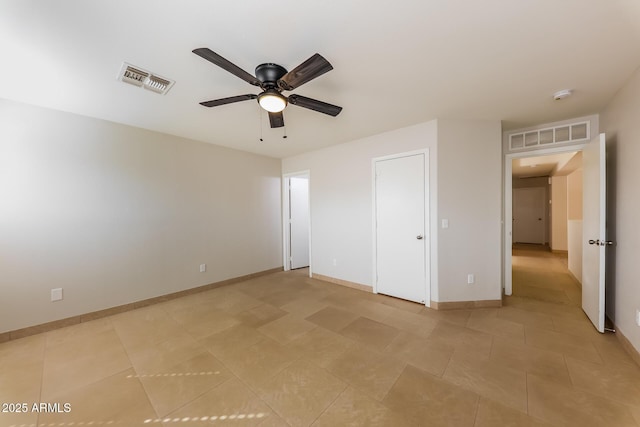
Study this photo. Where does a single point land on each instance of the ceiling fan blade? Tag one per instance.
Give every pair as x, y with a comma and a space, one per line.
276, 119
230, 100
315, 105
308, 70
213, 57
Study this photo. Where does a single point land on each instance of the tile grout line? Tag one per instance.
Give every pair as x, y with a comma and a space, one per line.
93, 382
475, 417
444, 371
44, 359
248, 386
526, 388
146, 394
394, 384
192, 400
346, 386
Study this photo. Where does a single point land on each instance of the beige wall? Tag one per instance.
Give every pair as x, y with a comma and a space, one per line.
574, 195
574, 229
470, 197
341, 199
559, 213
574, 242
619, 120
465, 176
115, 214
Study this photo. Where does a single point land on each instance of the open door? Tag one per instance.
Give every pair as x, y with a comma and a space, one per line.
594, 233
298, 222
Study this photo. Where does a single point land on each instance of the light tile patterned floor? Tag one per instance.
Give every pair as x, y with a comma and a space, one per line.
286, 350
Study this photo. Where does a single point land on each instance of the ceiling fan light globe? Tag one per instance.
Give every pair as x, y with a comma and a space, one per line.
272, 102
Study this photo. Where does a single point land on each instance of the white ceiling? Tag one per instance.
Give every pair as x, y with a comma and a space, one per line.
395, 64
550, 165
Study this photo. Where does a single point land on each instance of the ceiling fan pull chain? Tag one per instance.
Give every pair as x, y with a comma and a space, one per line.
260, 124
284, 128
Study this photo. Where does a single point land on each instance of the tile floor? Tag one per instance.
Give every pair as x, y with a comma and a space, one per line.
286, 350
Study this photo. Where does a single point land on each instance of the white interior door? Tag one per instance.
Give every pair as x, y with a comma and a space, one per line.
400, 215
528, 215
298, 222
593, 230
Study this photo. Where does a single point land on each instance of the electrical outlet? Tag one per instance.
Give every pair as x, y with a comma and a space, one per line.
203, 268
638, 317
335, 262
56, 294
470, 279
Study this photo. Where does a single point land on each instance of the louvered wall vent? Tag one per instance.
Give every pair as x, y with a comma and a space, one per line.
572, 132
142, 78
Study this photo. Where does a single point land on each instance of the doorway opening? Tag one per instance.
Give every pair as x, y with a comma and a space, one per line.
546, 250
296, 221
593, 239
543, 204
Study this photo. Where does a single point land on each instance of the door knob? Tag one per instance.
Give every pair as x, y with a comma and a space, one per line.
600, 243
419, 237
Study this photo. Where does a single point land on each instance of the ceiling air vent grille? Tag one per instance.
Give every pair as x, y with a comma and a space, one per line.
157, 84
134, 76
145, 79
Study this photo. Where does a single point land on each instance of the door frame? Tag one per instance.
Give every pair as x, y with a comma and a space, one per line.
285, 219
507, 231
428, 214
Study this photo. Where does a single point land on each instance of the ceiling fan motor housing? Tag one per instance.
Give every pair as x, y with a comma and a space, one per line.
269, 74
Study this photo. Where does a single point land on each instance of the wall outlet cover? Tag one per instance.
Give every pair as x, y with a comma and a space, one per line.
56, 294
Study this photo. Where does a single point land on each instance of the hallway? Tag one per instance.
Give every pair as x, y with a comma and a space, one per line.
541, 274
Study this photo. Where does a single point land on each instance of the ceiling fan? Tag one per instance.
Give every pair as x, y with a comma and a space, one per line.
273, 79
